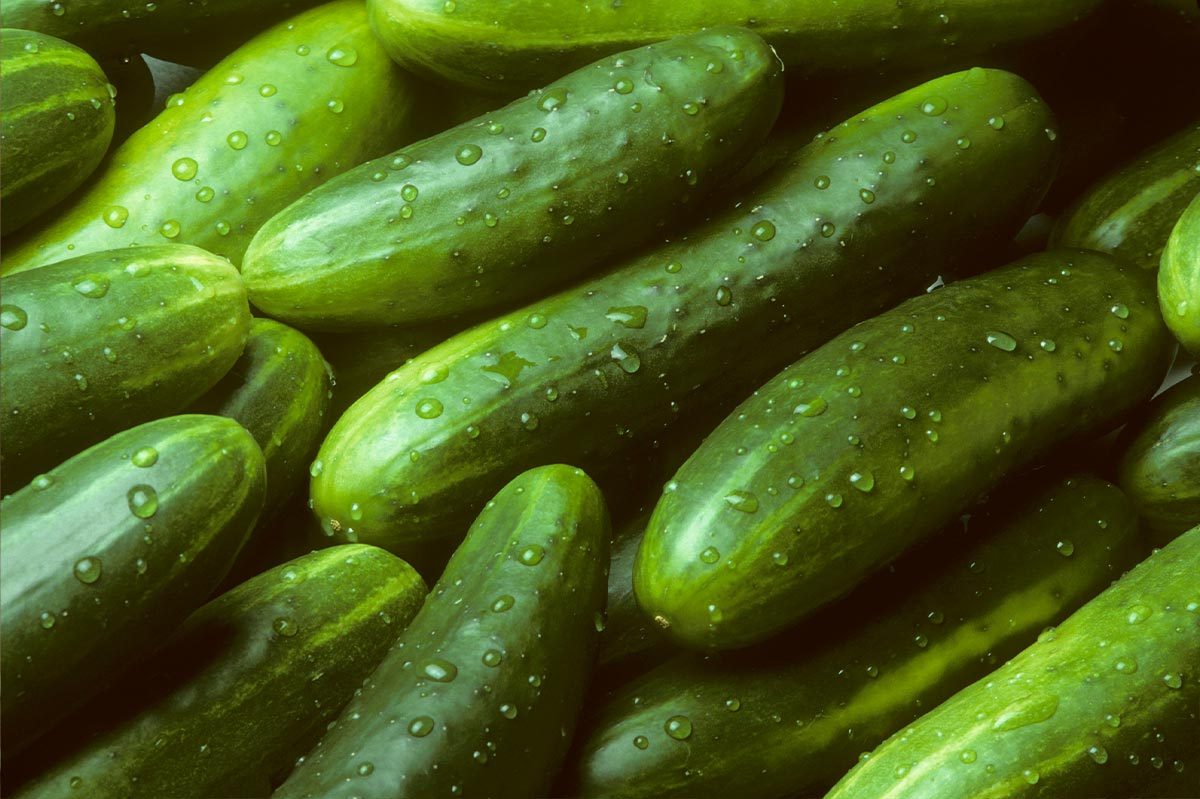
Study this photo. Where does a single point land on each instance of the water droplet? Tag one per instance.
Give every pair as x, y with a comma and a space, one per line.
1048, 345
420, 726
1001, 340
763, 231
508, 711
532, 555
273, 138
365, 768
429, 408
343, 56
811, 407
710, 555
143, 501
1065, 548
503, 602
963, 143
967, 756
468, 154
1115, 344
13, 317
237, 140
552, 99
1120, 311
934, 106
140, 565
145, 457
1098, 753
316, 468
863, 480
628, 360
622, 86
169, 229
46, 620
1031, 709
492, 658
336, 106
908, 136
42, 482
641, 741
185, 168
440, 670
284, 627
1138, 613
633, 316
866, 195
908, 473
996, 122
87, 570
908, 412
1173, 680
744, 501
1031, 776
92, 286
115, 216
434, 374
821, 182
679, 727
828, 229
834, 500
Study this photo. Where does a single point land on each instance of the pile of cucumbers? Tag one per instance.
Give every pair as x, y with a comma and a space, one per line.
633, 399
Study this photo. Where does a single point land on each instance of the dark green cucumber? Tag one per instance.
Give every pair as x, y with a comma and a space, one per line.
589, 373
134, 86
105, 341
877, 439
480, 694
1159, 465
796, 711
1098, 707
1130, 213
295, 106
108, 552
522, 43
521, 200
56, 121
242, 689
627, 631
1179, 277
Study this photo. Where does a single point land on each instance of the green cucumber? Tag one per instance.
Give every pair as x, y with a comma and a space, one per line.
133, 83
591, 372
521, 43
517, 202
243, 688
796, 711
108, 552
56, 121
1130, 213
1159, 466
479, 695
1179, 277
100, 343
295, 106
1098, 707
877, 439
627, 631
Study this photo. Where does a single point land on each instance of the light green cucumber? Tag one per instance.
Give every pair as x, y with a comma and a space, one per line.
1179, 278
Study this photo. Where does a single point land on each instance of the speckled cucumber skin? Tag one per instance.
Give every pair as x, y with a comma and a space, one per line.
589, 373
1179, 277
56, 121
103, 342
525, 43
107, 553
479, 695
1102, 706
249, 137
517, 202
877, 439
796, 711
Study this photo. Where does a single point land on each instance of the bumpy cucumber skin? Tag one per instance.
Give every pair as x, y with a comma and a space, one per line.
1179, 277
525, 43
56, 121
106, 341
1159, 465
556, 183
588, 384
279, 656
153, 188
874, 441
480, 694
108, 552
796, 711
1130, 213
1099, 707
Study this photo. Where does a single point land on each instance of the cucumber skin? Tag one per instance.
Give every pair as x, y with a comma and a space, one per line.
210, 480
547, 639
248, 185
172, 321
1130, 212
1179, 277
993, 411
347, 604
56, 121
1155, 722
996, 581
1159, 461
693, 356
529, 213
529, 42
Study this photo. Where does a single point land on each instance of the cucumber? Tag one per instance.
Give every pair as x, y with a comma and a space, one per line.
295, 106
1179, 277
589, 373
1130, 213
56, 121
627, 631
1159, 465
243, 688
796, 711
517, 202
1098, 707
479, 695
523, 43
134, 86
103, 342
108, 552
874, 441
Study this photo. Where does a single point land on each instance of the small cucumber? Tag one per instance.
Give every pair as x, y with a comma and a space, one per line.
1179, 277
108, 552
877, 439
1100, 706
480, 694
103, 342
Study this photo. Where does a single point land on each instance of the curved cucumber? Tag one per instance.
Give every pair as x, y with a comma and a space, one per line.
105, 341
56, 121
796, 711
108, 552
627, 631
133, 83
519, 201
479, 695
295, 106
1099, 707
587, 374
243, 688
874, 441
1179, 277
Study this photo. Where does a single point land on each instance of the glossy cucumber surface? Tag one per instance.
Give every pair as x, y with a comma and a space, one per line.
1179, 277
